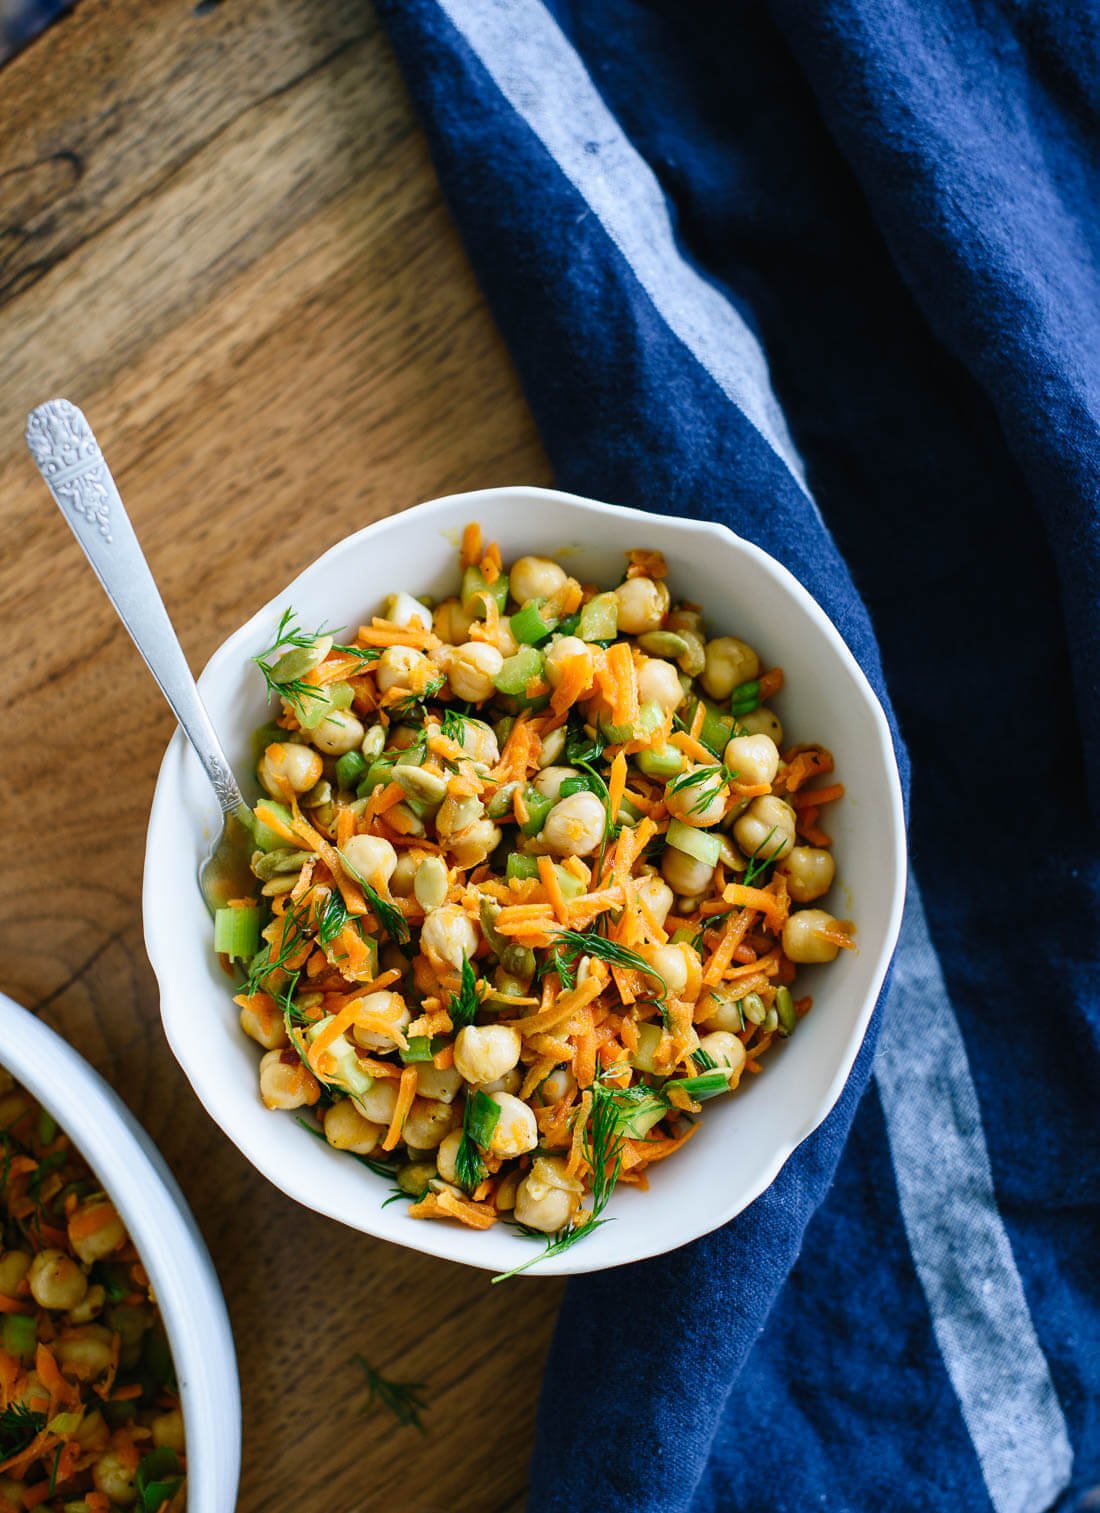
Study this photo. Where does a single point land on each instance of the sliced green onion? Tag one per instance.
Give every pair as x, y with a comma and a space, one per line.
700, 844
637, 1121
649, 1038
582, 783
19, 1335
420, 1048
237, 933
538, 807
518, 671
379, 771
530, 625
660, 762
745, 698
520, 866
349, 1070
569, 626
474, 588
350, 769
709, 1085
599, 619
784, 1008
481, 1120
47, 1127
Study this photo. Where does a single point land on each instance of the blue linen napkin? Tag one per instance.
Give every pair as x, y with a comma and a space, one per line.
827, 270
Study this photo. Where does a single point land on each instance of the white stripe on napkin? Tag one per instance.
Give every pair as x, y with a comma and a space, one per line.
959, 1245
540, 75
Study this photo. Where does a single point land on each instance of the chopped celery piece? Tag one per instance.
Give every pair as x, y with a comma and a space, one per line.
530, 625
379, 771
311, 709
350, 769
660, 762
538, 807
474, 587
420, 1048
745, 698
349, 1072
341, 695
650, 717
599, 619
649, 1038
571, 887
264, 737
700, 844
519, 670
582, 783
717, 728
266, 839
520, 866
237, 933
682, 937
19, 1335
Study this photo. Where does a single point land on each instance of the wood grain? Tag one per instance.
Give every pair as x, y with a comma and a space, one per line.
221, 236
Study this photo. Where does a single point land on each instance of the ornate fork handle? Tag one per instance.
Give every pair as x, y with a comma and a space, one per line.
70, 460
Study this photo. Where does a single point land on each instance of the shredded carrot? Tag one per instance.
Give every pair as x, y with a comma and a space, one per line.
574, 680
697, 720
756, 898
446, 1205
471, 544
616, 786
576, 1144
770, 683
692, 748
814, 796
619, 683
733, 933
406, 1092
445, 1058
382, 633
13, 1305
90, 1221
553, 889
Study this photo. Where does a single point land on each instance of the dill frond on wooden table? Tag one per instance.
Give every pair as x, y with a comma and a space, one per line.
221, 236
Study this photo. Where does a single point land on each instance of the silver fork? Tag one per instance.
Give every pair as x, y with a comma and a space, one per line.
75, 472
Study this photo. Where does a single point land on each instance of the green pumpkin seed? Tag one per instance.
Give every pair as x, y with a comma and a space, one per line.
420, 784
663, 643
430, 883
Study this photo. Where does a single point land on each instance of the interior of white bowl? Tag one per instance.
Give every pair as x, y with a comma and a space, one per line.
745, 1138
135, 1175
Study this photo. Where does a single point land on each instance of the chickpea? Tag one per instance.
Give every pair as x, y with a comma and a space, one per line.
113, 1474
643, 604
547, 1198
92, 1434
809, 872
92, 1306
535, 578
14, 1265
56, 1281
288, 762
483, 1053
401, 667
516, 1131
657, 896
659, 683
404, 874
560, 1084
286, 1084
717, 1012
85, 1351
479, 742
105, 1240
442, 1085
552, 747
730, 662
370, 857
402, 609
766, 827
680, 967
455, 814
761, 721
265, 1026
451, 622
754, 758
428, 1121
548, 782
379, 1101
727, 1052
685, 874
391, 1009
700, 804
472, 669
168, 1430
511, 1082
338, 732
447, 1155
802, 941
347, 1130
575, 826
563, 650
448, 935
471, 846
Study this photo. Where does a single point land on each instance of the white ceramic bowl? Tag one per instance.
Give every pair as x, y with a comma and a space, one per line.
746, 1138
155, 1212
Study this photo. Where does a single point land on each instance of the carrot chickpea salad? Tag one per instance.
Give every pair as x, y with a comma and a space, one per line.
526, 883
89, 1411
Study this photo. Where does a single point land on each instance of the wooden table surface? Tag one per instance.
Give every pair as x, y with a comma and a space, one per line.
220, 234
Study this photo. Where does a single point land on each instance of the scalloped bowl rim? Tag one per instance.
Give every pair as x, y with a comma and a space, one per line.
180, 771
141, 1186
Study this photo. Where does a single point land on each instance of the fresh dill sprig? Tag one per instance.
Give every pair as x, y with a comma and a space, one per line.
453, 725
334, 916
465, 1003
757, 864
704, 1060
469, 1167
571, 944
709, 779
405, 709
364, 653
404, 1400
289, 636
19, 1427
389, 916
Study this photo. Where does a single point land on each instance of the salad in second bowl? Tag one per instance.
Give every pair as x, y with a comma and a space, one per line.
534, 874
